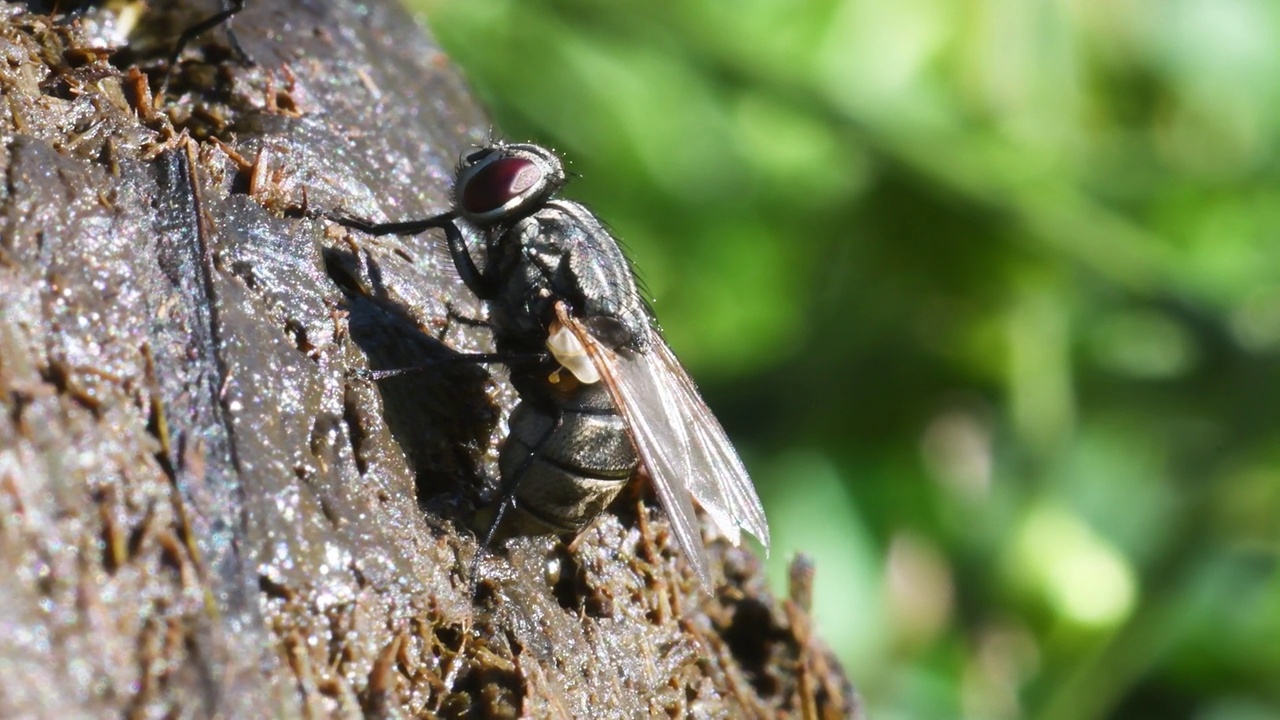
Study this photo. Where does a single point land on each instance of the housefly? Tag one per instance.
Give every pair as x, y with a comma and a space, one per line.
601, 393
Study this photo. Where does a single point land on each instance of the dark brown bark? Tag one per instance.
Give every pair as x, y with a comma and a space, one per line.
201, 512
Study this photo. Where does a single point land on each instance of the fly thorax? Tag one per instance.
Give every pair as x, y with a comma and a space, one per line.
619, 331
524, 297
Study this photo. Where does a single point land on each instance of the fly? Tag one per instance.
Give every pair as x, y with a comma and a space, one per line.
601, 393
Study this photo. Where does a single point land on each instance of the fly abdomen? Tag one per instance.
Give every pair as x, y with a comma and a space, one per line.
565, 474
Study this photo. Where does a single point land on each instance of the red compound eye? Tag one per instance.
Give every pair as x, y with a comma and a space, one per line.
498, 183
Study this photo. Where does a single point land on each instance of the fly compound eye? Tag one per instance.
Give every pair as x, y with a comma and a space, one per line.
504, 182
499, 186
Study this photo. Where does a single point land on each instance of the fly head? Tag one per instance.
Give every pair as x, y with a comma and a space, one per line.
498, 184
540, 251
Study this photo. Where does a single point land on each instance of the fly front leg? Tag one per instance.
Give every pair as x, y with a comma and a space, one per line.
403, 227
483, 284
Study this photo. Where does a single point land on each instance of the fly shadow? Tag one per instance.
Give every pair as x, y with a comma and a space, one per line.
444, 412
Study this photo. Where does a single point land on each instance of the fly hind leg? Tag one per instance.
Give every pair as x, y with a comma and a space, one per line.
510, 485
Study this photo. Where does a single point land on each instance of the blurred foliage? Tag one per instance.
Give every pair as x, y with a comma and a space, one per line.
987, 292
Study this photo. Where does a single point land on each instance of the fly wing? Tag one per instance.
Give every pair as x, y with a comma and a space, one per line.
712, 469
681, 444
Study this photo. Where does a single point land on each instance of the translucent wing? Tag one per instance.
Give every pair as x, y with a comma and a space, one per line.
681, 444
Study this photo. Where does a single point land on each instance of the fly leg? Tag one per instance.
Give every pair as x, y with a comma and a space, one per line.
404, 227
483, 284
452, 316
508, 359
230, 8
509, 487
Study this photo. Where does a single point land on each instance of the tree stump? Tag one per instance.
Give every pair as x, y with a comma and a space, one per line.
202, 511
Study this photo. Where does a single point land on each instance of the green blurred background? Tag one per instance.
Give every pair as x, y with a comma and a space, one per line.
987, 293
